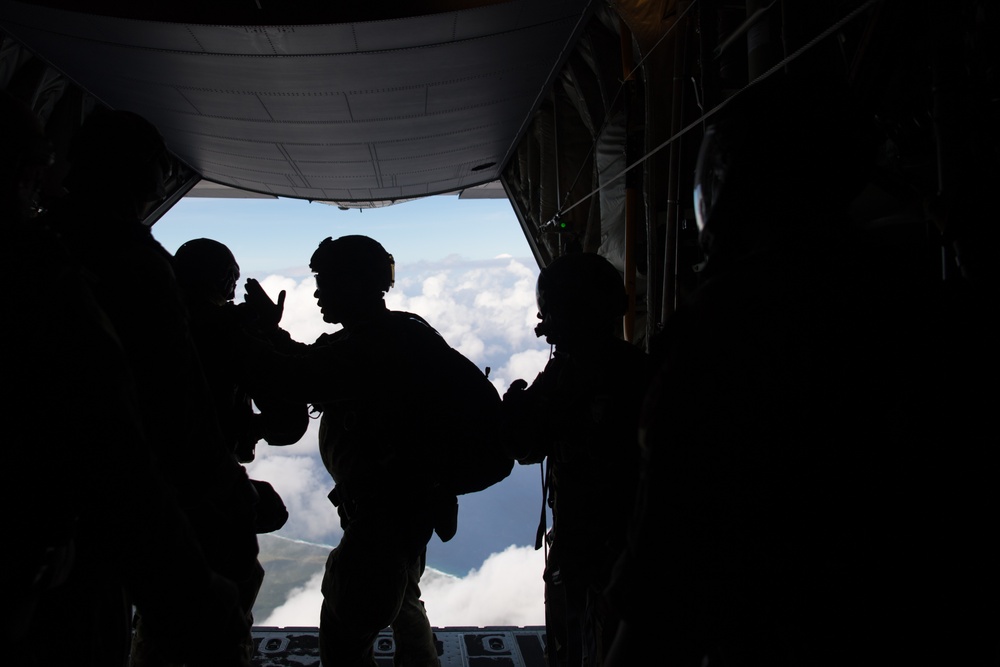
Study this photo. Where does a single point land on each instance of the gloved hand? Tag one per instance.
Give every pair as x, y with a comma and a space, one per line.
515, 387
234, 505
519, 428
271, 511
268, 312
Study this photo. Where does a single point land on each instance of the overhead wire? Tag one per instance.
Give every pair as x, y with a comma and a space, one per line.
784, 62
618, 93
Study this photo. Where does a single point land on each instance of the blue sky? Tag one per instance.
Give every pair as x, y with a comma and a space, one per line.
466, 267
274, 235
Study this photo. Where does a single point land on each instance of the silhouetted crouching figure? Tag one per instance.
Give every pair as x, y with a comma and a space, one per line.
791, 511
580, 417
95, 525
369, 380
134, 282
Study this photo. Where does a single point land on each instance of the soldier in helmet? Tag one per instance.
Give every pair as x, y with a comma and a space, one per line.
579, 417
133, 280
97, 527
802, 499
379, 361
761, 439
207, 273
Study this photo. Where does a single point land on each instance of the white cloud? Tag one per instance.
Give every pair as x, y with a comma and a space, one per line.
525, 365
303, 485
506, 590
301, 316
300, 609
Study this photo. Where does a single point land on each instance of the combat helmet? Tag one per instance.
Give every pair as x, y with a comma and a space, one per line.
357, 259
207, 269
579, 295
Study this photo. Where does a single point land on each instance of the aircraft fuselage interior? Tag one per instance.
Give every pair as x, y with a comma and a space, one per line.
586, 116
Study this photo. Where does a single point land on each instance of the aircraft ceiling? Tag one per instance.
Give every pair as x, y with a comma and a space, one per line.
587, 116
363, 105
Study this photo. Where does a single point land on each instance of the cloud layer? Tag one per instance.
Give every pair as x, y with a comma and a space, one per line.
506, 590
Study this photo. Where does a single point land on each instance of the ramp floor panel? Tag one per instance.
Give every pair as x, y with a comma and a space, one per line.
457, 647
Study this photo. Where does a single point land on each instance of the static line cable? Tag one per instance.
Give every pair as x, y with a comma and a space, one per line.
742, 29
711, 112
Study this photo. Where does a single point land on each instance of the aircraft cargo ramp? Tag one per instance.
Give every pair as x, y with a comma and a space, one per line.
496, 646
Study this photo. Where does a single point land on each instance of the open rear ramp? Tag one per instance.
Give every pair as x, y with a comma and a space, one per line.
497, 646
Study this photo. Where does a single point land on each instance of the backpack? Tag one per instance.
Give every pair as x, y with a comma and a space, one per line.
471, 457
465, 446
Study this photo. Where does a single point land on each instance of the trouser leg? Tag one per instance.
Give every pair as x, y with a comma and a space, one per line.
341, 645
415, 646
563, 640
249, 588
600, 627
363, 589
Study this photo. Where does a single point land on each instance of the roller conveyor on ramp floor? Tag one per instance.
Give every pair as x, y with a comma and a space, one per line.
495, 646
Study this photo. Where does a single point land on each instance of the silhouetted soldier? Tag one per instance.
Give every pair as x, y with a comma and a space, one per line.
800, 502
369, 379
207, 273
118, 166
96, 526
580, 416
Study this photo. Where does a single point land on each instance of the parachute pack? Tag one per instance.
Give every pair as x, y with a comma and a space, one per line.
465, 443
472, 458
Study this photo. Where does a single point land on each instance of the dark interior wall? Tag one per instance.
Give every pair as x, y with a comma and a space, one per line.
924, 73
62, 106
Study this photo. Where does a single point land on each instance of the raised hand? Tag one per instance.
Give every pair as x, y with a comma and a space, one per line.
268, 313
